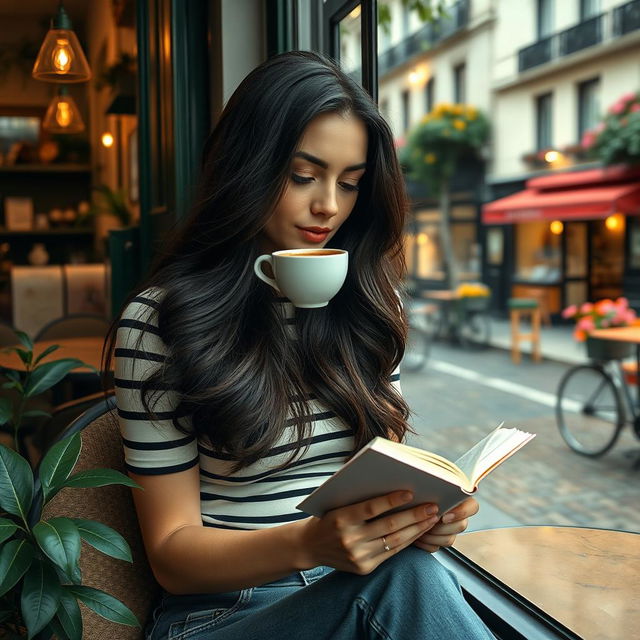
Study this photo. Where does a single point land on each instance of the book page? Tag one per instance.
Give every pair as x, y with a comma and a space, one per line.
491, 450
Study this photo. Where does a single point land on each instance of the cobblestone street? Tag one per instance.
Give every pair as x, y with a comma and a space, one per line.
461, 395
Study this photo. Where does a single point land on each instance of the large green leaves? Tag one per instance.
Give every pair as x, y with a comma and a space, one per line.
16, 483
104, 605
104, 539
7, 529
58, 464
99, 478
69, 616
15, 558
46, 352
6, 410
48, 374
40, 597
24, 339
59, 539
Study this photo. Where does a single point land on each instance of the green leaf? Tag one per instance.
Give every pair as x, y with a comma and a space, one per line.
59, 539
48, 374
7, 529
99, 478
15, 558
40, 596
16, 483
25, 356
10, 385
6, 410
104, 605
58, 463
46, 352
104, 539
25, 339
69, 616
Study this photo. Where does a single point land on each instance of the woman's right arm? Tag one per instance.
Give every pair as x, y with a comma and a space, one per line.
187, 557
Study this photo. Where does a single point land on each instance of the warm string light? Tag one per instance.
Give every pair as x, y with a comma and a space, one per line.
614, 222
107, 139
551, 156
556, 227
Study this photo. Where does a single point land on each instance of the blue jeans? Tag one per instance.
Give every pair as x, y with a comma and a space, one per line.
411, 596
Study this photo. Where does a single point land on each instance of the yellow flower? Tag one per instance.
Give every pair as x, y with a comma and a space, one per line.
458, 109
472, 113
430, 158
460, 125
425, 119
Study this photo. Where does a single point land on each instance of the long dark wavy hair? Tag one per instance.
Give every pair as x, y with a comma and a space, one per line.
239, 376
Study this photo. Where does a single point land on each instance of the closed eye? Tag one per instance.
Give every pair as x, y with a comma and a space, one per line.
349, 187
300, 179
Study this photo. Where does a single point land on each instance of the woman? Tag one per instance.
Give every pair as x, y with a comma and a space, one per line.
233, 406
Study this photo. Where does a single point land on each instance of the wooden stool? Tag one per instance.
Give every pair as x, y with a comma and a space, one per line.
524, 308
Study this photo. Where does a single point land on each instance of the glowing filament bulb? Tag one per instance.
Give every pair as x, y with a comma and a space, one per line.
63, 114
62, 56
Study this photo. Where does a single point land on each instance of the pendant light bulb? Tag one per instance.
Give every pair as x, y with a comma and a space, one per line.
63, 115
61, 58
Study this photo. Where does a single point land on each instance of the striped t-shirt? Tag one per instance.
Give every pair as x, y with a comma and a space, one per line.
257, 496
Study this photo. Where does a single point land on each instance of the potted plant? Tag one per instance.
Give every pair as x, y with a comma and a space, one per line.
602, 314
616, 139
40, 581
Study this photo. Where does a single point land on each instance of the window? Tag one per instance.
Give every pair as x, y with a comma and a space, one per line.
384, 108
589, 9
588, 105
405, 110
429, 95
459, 83
406, 18
544, 18
544, 129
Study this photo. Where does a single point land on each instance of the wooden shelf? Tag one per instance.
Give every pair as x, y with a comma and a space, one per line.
46, 168
71, 231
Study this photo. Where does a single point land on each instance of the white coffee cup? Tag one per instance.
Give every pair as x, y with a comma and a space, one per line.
308, 277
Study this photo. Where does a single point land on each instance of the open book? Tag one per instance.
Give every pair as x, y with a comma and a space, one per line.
383, 466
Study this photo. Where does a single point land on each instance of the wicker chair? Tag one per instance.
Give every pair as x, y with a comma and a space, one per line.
133, 583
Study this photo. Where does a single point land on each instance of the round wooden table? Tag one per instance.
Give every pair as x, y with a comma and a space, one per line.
587, 579
88, 350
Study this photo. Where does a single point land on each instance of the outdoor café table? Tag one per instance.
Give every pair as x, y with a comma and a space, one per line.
623, 334
586, 579
88, 350
446, 298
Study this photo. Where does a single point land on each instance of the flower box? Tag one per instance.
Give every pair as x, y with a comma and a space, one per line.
602, 350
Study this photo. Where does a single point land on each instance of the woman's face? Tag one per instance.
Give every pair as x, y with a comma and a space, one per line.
322, 188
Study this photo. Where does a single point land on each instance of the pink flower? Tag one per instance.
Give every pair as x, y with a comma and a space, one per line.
586, 324
627, 97
630, 316
399, 142
570, 311
618, 107
599, 128
635, 107
586, 307
622, 302
605, 323
588, 139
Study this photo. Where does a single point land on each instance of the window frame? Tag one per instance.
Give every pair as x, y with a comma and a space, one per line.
544, 30
460, 83
539, 99
582, 91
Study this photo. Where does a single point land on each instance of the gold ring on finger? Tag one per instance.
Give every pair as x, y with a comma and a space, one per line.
385, 545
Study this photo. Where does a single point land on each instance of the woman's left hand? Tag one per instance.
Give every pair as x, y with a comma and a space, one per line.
444, 532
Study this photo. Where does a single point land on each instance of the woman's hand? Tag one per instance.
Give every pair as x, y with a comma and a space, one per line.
444, 532
358, 538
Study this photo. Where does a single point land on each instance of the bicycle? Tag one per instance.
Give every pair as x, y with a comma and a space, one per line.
420, 316
594, 401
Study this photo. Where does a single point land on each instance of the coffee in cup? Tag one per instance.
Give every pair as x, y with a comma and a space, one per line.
308, 277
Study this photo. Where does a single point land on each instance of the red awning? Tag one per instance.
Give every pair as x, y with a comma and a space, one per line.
582, 195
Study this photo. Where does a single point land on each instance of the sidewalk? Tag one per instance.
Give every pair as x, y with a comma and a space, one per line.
556, 342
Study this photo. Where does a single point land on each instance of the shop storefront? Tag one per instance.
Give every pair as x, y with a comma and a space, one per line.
567, 238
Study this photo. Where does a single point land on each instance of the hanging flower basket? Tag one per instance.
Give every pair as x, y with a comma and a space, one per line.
603, 350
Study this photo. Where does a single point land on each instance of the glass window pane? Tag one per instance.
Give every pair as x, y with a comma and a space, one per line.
588, 105
576, 249
538, 251
350, 44
545, 18
544, 115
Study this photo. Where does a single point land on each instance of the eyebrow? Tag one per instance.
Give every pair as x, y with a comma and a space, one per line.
325, 165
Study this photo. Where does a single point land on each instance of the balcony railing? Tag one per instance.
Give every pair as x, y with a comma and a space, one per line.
592, 31
457, 17
626, 18
535, 54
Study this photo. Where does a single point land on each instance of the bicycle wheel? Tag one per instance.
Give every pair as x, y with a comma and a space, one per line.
418, 345
474, 331
589, 410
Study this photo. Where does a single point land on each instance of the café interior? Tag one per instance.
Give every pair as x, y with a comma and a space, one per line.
104, 106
